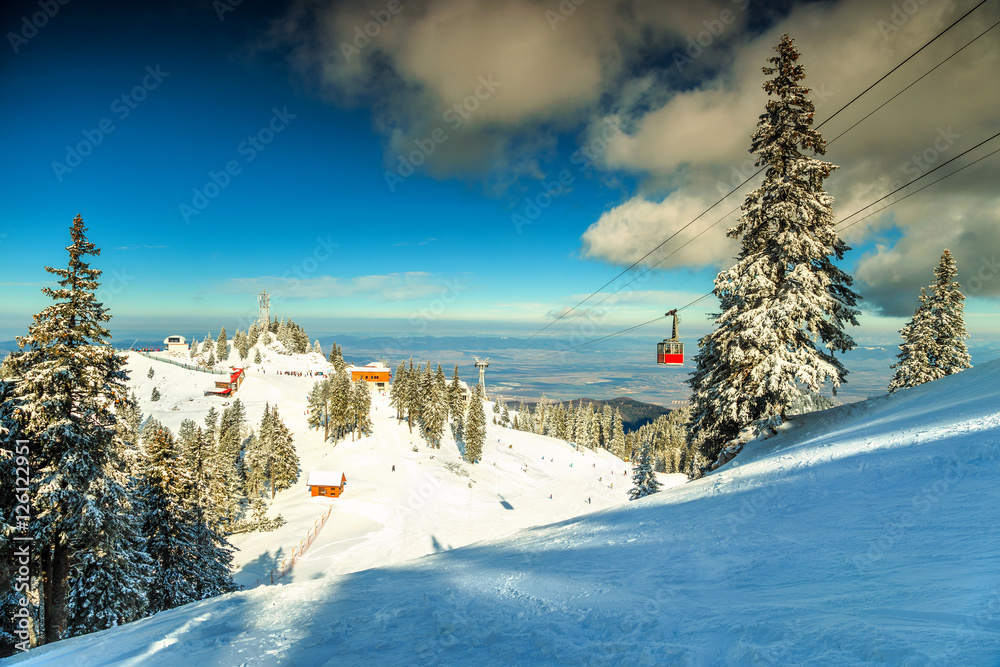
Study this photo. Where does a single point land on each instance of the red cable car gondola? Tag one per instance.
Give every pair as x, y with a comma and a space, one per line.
671, 351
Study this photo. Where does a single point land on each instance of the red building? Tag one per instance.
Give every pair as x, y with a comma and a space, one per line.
325, 483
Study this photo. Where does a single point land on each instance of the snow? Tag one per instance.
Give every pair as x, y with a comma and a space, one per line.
867, 533
324, 478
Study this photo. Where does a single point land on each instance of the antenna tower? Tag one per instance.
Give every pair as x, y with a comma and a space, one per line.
265, 310
482, 365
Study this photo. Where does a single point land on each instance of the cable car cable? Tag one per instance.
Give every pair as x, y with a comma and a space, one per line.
708, 294
731, 192
653, 266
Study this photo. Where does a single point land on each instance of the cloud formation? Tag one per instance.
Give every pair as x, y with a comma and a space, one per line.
682, 83
388, 287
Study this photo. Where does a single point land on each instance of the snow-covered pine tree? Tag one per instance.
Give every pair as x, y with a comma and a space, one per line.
150, 373
784, 295
211, 358
90, 568
193, 349
229, 458
256, 356
317, 407
617, 436
505, 417
644, 480
397, 392
435, 411
340, 402
211, 426
190, 558
934, 339
317, 348
412, 398
155, 395
362, 400
456, 402
284, 466
222, 346
475, 427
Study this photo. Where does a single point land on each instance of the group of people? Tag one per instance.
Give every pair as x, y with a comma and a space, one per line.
301, 374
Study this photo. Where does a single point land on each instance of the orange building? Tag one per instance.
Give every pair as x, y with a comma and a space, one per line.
325, 483
375, 374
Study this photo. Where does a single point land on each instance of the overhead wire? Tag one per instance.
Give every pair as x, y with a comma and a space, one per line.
893, 203
674, 235
747, 180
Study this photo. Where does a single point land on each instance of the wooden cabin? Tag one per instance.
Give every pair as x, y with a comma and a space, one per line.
228, 386
326, 483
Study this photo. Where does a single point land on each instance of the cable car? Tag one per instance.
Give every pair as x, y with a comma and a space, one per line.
671, 351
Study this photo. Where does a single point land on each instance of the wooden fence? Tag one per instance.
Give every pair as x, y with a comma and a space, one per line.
298, 551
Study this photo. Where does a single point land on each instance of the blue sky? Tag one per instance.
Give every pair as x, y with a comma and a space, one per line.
249, 153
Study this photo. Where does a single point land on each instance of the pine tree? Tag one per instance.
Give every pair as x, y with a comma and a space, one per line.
150, 373
784, 294
317, 348
190, 558
397, 392
340, 403
211, 424
617, 436
934, 339
362, 408
222, 346
644, 480
193, 351
475, 427
155, 396
87, 552
211, 358
256, 356
456, 402
284, 467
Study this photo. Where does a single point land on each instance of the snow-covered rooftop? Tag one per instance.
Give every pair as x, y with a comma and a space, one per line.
325, 478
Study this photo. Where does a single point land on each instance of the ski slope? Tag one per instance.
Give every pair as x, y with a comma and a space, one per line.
864, 534
433, 501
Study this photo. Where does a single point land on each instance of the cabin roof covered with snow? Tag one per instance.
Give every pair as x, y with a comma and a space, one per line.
325, 478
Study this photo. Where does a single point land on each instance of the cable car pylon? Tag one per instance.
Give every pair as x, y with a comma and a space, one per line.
671, 351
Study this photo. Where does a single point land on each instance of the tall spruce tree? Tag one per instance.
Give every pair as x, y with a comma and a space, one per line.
784, 295
362, 400
92, 572
934, 338
222, 346
475, 427
644, 482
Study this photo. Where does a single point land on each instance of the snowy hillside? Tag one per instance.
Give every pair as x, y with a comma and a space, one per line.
865, 534
432, 501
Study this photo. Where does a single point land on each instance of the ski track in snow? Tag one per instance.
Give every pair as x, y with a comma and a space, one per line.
868, 533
